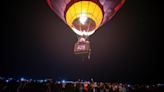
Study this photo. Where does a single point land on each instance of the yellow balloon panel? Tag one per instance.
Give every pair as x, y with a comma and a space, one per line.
68, 18
91, 7
84, 6
77, 7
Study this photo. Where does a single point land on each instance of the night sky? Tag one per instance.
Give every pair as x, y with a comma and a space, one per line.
36, 43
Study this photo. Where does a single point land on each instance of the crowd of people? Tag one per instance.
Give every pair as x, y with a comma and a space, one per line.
77, 86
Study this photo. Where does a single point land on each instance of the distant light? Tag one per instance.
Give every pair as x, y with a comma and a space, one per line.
10, 78
160, 85
45, 80
58, 82
7, 81
63, 81
22, 79
41, 81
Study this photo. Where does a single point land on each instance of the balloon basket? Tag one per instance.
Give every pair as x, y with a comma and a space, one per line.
82, 47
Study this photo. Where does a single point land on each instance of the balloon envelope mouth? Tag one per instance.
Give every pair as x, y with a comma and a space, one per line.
84, 24
83, 33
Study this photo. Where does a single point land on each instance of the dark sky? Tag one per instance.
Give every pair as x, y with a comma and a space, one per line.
35, 43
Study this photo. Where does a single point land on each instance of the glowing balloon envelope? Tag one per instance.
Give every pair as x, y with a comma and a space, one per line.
84, 17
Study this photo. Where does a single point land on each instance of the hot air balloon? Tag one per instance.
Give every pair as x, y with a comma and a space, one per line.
84, 17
